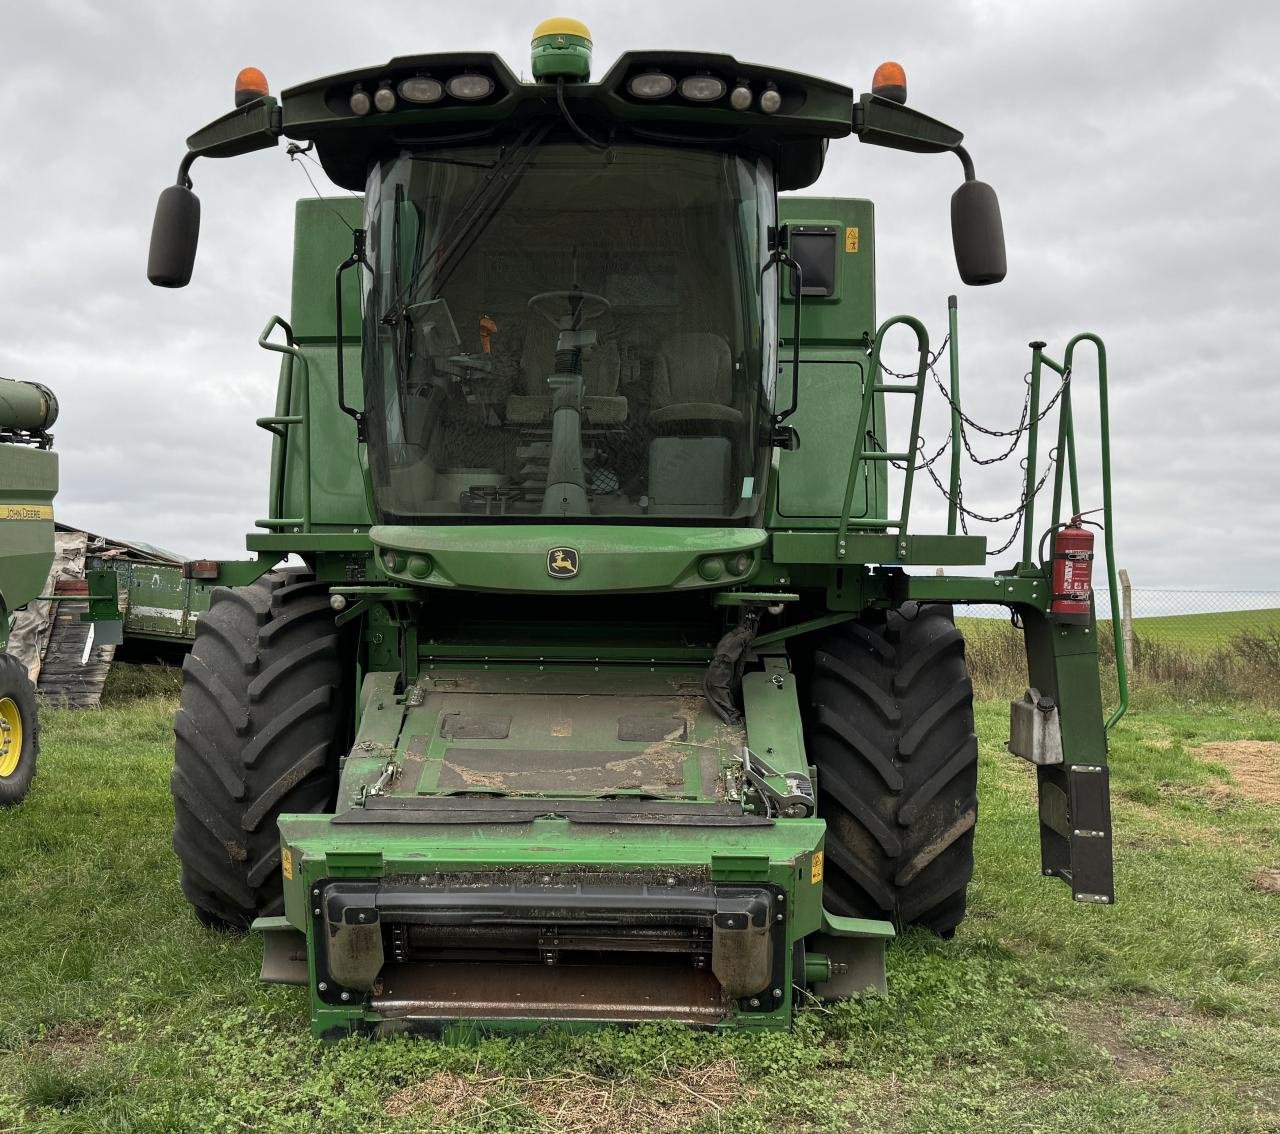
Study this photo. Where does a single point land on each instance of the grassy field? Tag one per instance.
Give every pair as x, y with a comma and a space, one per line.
1160, 1014
1203, 633
1206, 631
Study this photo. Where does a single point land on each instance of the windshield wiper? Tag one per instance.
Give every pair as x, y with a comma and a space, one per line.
497, 185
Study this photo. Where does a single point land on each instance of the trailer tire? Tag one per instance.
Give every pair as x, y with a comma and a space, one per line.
19, 730
261, 724
889, 724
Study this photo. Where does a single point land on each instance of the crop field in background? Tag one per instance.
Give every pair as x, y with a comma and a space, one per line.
1161, 1014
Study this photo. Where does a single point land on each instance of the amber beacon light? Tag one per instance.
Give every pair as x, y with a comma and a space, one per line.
251, 84
890, 81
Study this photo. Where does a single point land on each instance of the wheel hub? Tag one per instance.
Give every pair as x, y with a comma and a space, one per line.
10, 736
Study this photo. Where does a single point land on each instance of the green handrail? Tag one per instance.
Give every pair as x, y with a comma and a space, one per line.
953, 497
279, 423
1104, 431
870, 388
1067, 460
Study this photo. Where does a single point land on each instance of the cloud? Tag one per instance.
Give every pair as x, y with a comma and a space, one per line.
1132, 145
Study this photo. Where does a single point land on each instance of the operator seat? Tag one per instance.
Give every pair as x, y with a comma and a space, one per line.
601, 370
696, 429
693, 386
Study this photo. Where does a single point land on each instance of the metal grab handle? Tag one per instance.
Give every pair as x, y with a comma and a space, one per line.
278, 424
871, 386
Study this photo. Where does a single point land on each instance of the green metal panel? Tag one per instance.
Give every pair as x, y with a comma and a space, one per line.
847, 318
321, 241
881, 547
609, 557
28, 484
810, 488
834, 334
308, 387
337, 481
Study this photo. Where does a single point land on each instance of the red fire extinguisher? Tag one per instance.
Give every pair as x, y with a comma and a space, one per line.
1072, 572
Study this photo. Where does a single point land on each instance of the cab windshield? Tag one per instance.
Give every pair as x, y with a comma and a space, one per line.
551, 329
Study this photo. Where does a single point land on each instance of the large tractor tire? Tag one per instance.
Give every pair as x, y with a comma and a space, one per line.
261, 724
19, 730
890, 730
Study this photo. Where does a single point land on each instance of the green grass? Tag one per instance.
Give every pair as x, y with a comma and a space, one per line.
1206, 632
1160, 1014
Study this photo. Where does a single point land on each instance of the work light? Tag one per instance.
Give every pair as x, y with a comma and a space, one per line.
421, 89
701, 88
360, 102
470, 86
652, 84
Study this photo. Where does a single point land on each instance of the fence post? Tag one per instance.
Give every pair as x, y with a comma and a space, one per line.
1126, 624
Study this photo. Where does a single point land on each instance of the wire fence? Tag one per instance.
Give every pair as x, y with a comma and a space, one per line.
1200, 645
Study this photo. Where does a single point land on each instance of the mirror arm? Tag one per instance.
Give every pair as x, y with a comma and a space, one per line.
967, 162
184, 169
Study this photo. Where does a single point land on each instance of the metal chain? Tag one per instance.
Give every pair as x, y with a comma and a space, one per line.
967, 423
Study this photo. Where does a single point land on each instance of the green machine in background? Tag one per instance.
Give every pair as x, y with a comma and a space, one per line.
28, 484
606, 692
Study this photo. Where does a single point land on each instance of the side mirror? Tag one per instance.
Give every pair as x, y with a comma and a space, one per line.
174, 236
977, 233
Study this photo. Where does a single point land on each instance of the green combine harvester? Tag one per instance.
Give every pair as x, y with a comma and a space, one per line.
605, 693
28, 484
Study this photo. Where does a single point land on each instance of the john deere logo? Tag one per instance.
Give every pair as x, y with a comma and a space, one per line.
562, 563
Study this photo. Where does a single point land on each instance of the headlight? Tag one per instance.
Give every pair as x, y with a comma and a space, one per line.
385, 98
770, 100
652, 84
470, 86
740, 97
360, 102
421, 89
702, 88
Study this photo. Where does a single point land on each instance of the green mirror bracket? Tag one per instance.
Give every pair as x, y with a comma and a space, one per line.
257, 125
881, 122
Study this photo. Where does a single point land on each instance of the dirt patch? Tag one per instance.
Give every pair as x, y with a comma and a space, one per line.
1104, 1026
71, 1044
578, 1103
1268, 881
450, 1096
1254, 766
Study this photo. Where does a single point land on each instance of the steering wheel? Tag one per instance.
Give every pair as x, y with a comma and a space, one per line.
588, 306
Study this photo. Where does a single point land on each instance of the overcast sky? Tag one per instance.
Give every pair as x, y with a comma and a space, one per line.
1135, 147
